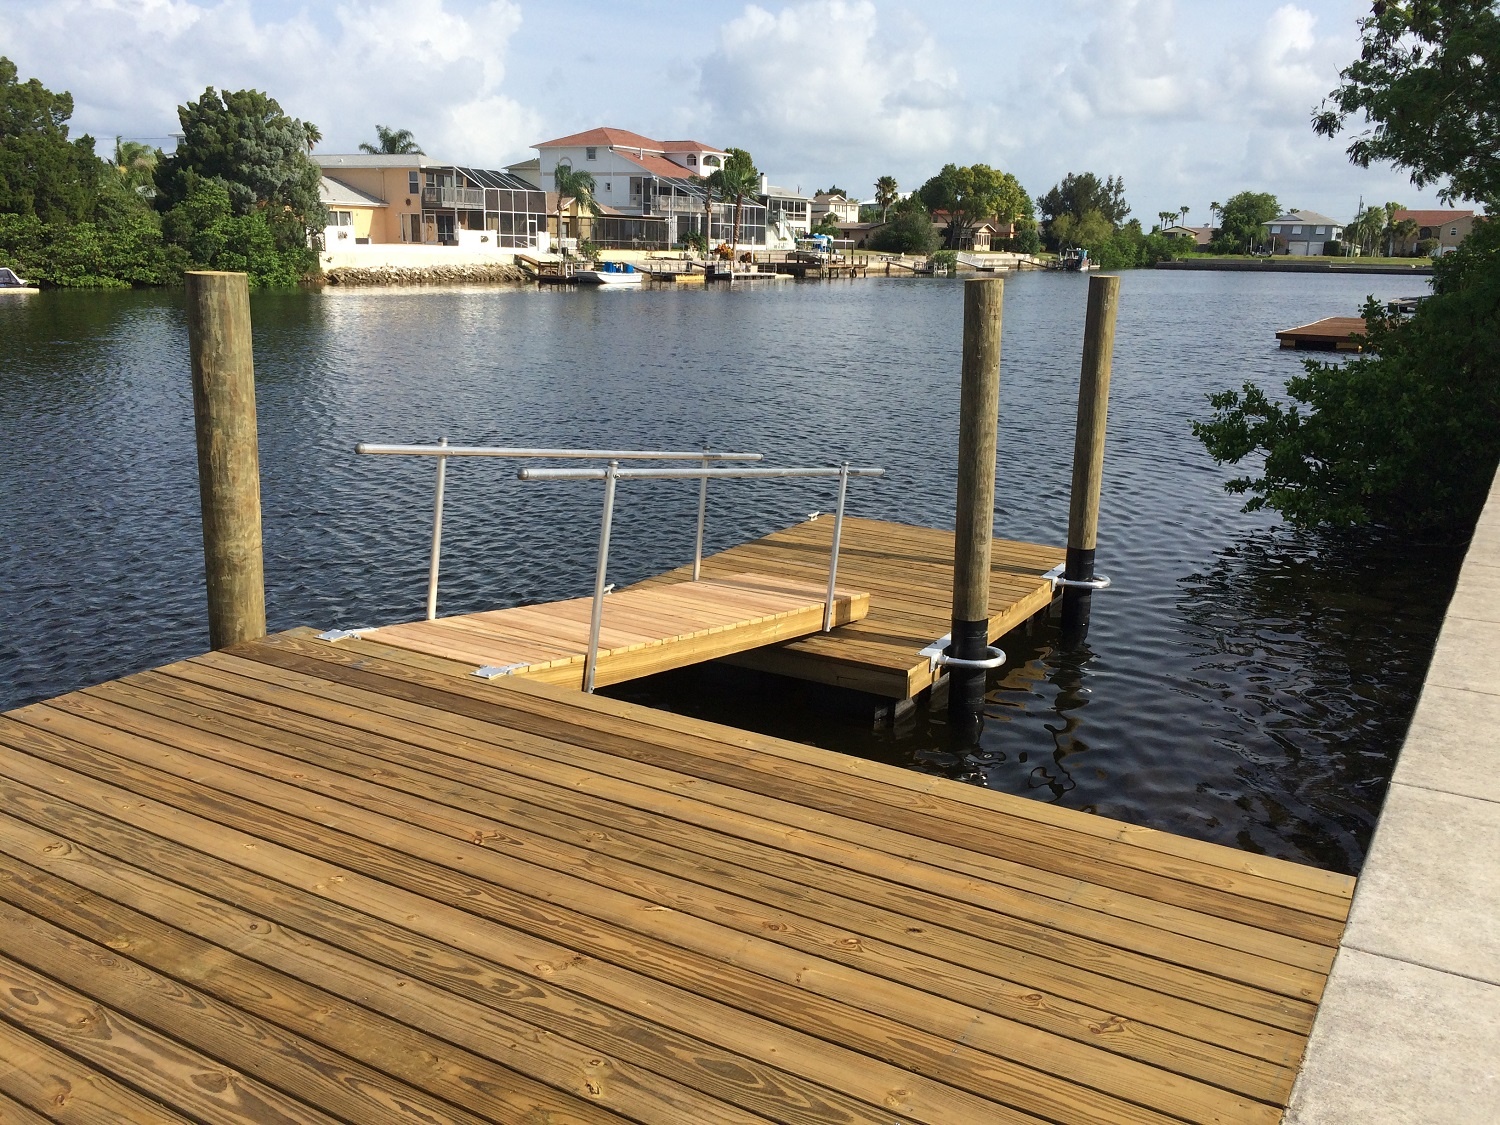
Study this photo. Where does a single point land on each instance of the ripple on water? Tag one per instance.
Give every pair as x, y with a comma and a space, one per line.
1241, 683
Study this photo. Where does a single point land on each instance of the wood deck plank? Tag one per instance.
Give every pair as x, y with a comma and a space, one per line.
1031, 925
699, 919
718, 805
997, 988
318, 855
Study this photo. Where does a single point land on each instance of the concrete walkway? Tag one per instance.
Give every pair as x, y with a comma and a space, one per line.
1409, 1028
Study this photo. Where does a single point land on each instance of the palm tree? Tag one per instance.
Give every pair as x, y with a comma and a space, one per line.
137, 163
575, 185
1215, 213
1390, 227
886, 191
737, 179
1184, 212
390, 142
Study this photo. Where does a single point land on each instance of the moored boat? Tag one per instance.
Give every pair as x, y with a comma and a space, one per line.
11, 282
615, 274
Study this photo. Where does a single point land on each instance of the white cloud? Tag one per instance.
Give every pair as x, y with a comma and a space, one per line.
422, 65
821, 82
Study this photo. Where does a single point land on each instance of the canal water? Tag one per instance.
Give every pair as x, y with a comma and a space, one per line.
1242, 683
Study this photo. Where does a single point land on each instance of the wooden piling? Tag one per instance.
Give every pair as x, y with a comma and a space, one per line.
1088, 449
974, 520
218, 314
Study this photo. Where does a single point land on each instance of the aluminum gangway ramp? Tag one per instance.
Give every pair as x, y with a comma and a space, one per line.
642, 631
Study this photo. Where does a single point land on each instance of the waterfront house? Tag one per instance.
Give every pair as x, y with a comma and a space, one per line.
1446, 228
416, 201
651, 193
1302, 233
351, 214
980, 236
1199, 236
789, 215
843, 209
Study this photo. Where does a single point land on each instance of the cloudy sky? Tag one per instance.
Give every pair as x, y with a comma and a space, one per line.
1190, 101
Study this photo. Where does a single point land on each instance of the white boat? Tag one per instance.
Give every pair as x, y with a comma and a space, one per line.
11, 282
614, 274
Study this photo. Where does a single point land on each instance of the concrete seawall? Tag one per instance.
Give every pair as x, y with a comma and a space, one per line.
1409, 1027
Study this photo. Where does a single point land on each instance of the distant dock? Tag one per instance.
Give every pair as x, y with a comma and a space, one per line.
1331, 334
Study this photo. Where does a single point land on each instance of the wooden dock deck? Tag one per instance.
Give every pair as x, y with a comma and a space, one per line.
909, 573
307, 882
1334, 333
643, 631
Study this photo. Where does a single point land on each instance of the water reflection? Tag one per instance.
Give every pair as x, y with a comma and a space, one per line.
1239, 683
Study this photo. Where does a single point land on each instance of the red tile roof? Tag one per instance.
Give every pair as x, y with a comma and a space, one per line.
658, 165
624, 138
1433, 218
604, 136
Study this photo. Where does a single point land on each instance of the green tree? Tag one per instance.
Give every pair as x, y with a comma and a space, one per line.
973, 195
886, 194
1425, 84
1407, 434
573, 185
42, 172
909, 230
394, 142
245, 142
828, 224
1366, 229
738, 180
136, 162
1242, 221
1078, 195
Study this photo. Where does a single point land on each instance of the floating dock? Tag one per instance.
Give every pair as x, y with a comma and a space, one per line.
908, 572
1334, 333
301, 881
644, 630
760, 605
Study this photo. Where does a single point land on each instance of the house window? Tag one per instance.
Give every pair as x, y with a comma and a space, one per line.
1321, 230
340, 219
590, 153
710, 161
608, 186
692, 160
1296, 230
413, 184
1453, 231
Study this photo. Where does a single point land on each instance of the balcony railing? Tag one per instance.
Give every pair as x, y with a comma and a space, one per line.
453, 197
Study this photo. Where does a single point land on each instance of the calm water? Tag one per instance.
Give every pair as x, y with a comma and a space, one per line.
1241, 683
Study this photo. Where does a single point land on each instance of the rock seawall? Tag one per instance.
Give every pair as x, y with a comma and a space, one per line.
425, 275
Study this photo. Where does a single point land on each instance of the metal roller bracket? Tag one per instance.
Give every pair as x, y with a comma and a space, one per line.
937, 656
1055, 576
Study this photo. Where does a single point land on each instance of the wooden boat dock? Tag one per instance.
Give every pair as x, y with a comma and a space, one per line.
1334, 333
908, 572
645, 630
760, 605
298, 881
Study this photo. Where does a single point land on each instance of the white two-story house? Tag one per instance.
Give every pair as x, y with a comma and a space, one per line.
651, 193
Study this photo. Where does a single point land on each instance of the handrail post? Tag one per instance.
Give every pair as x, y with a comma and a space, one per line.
833, 555
591, 660
437, 537
702, 515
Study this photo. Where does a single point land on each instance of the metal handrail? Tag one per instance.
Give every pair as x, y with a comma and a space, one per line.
442, 451
614, 473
